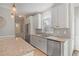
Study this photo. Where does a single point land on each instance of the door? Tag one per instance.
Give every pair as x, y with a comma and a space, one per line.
20, 27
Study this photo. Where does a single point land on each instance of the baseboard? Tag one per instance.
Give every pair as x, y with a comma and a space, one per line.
8, 36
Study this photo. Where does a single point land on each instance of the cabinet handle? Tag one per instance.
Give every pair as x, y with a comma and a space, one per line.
56, 26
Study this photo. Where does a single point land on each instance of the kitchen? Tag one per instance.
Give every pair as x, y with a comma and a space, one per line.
47, 27
49, 31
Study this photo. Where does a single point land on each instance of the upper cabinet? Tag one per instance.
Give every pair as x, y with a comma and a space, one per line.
54, 17
37, 20
29, 20
46, 21
60, 16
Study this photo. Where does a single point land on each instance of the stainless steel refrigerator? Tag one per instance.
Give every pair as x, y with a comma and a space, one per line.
27, 33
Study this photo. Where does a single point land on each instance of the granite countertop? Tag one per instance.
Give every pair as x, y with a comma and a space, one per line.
60, 39
56, 38
14, 47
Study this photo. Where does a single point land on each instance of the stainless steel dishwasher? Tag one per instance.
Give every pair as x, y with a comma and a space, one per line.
53, 48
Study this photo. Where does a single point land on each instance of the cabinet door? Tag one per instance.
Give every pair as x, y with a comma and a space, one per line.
60, 16
39, 25
63, 16
32, 29
53, 48
40, 43
43, 45
37, 21
54, 17
33, 41
67, 48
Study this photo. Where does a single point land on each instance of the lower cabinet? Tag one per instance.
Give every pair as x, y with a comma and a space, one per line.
50, 47
39, 43
53, 48
66, 48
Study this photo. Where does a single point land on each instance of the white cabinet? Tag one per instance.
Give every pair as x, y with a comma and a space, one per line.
54, 17
34, 41
43, 45
60, 16
63, 16
65, 48
55, 48
37, 21
51, 47
46, 21
39, 42
29, 20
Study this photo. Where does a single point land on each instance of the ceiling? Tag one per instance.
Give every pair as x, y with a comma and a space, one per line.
28, 8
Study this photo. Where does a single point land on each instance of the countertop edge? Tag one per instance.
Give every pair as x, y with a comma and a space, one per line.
62, 40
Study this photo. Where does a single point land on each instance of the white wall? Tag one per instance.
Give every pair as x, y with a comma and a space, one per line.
76, 27
9, 27
71, 22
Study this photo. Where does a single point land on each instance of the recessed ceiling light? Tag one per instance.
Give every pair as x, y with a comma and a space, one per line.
20, 15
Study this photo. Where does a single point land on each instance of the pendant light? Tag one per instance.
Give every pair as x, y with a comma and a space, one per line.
13, 10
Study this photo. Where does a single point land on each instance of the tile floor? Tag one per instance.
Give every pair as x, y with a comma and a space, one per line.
76, 53
12, 47
37, 52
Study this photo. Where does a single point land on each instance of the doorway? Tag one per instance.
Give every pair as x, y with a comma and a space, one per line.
19, 28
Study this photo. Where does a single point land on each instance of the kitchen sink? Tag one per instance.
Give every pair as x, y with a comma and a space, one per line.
44, 35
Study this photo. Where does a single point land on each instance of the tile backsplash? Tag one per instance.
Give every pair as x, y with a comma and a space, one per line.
62, 32
58, 32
